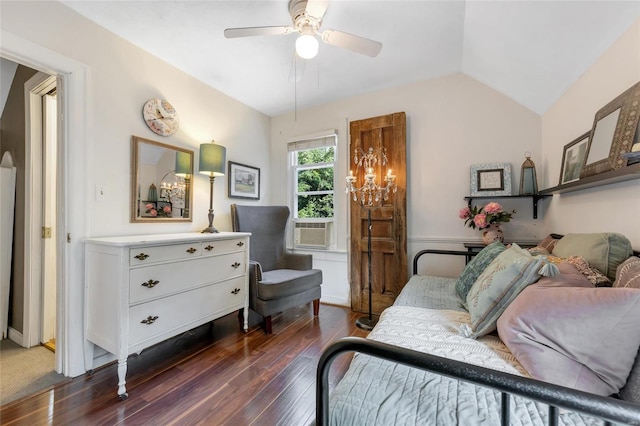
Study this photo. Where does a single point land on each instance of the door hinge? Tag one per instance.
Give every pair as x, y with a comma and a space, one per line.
46, 232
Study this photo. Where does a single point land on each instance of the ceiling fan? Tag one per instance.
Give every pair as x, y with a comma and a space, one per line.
307, 18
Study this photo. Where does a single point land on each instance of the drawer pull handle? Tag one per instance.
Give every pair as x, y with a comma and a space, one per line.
141, 256
191, 250
240, 244
236, 265
150, 284
209, 247
235, 291
149, 320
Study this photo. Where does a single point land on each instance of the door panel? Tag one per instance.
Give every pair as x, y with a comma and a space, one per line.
388, 221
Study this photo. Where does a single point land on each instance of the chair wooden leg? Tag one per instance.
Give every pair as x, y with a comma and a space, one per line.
316, 307
267, 325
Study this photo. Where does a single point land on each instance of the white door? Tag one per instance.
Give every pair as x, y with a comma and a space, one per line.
49, 214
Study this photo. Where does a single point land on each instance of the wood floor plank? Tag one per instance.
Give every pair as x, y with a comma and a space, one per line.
219, 377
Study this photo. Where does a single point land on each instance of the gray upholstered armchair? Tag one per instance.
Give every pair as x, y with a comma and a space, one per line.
279, 280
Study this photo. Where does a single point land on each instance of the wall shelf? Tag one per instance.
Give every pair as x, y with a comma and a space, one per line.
606, 178
534, 199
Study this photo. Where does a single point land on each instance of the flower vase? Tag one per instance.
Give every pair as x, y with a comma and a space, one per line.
492, 233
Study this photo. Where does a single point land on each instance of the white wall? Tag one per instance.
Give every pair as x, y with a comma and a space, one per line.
610, 208
121, 77
452, 123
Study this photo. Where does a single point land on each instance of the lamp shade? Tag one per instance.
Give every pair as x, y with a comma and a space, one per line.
183, 164
212, 159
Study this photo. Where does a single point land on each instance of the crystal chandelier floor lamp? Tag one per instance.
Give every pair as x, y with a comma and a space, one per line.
212, 160
370, 196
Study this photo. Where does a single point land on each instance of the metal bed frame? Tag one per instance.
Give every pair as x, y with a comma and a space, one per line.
606, 408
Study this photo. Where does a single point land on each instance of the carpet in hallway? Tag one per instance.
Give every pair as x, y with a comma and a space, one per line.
25, 371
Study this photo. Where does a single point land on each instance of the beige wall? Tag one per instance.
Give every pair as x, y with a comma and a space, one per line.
120, 78
12, 128
452, 123
611, 208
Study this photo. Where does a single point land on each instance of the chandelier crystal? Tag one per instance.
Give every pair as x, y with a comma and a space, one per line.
370, 194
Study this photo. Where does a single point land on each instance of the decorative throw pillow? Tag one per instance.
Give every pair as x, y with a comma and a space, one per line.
604, 251
596, 277
565, 335
509, 273
628, 273
475, 267
549, 242
538, 251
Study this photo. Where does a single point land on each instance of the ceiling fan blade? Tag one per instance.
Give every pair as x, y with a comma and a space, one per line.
317, 8
256, 31
352, 42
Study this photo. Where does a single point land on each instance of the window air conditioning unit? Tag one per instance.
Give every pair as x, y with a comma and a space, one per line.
311, 234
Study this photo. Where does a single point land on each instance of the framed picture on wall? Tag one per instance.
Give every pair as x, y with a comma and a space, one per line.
491, 179
573, 158
244, 181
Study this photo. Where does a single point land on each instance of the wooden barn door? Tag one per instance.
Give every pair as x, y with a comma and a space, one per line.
388, 221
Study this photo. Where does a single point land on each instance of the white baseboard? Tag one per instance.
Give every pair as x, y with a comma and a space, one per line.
16, 336
335, 301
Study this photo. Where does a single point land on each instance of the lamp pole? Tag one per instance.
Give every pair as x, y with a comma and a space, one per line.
210, 228
369, 196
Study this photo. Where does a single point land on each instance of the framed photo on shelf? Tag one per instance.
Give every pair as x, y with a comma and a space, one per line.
491, 179
574, 155
244, 181
614, 127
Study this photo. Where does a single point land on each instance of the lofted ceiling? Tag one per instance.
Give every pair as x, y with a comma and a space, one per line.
531, 51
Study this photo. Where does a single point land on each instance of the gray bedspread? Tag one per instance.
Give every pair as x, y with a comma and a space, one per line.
377, 392
424, 291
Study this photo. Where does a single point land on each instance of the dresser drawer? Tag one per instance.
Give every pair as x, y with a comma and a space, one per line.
156, 281
163, 316
211, 248
149, 255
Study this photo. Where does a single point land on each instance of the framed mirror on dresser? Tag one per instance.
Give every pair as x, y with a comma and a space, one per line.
161, 184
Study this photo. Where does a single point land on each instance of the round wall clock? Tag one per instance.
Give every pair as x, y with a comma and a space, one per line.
160, 116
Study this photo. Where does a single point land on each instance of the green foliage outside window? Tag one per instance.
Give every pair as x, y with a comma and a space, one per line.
313, 180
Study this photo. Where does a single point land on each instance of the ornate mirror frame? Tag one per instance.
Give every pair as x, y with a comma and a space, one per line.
161, 182
614, 128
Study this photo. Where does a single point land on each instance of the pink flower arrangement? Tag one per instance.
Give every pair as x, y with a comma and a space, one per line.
153, 212
485, 216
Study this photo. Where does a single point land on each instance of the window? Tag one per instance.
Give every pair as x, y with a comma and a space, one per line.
312, 165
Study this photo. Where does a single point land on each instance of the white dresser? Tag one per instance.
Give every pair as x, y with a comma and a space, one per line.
141, 290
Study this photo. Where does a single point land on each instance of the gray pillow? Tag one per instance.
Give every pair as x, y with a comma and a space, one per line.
475, 267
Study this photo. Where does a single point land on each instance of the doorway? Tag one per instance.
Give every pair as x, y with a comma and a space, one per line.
41, 177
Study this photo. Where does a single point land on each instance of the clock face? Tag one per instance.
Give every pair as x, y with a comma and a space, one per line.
160, 116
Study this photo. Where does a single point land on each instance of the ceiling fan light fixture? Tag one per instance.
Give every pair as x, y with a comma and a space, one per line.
307, 46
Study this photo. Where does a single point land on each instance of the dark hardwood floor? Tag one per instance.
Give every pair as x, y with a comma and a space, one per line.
207, 376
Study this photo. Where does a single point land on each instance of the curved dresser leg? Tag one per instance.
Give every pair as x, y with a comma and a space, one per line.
122, 372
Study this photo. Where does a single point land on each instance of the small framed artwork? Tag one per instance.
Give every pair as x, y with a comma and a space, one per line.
244, 181
573, 158
491, 179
